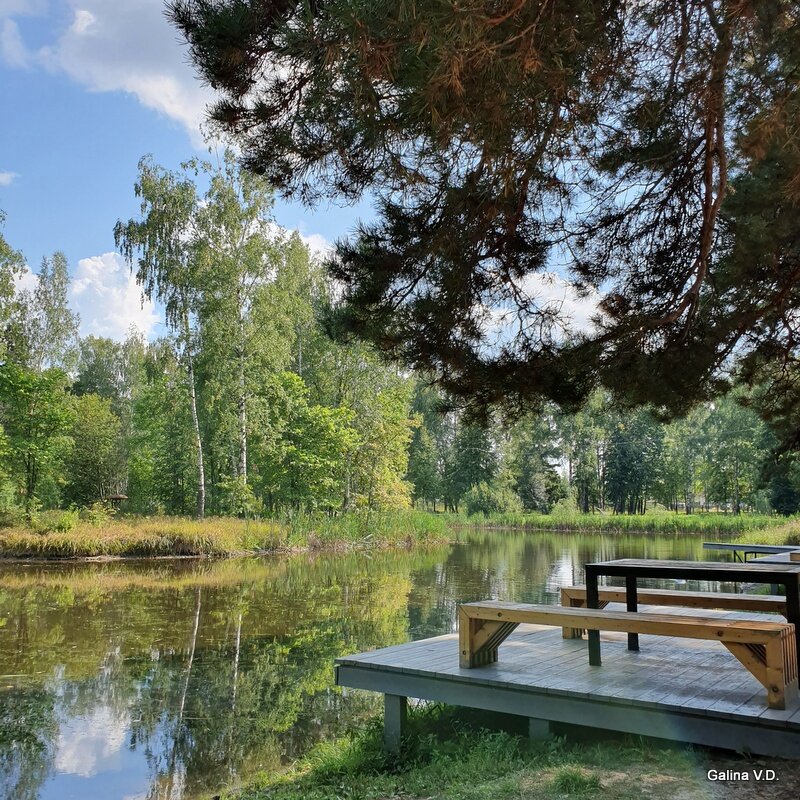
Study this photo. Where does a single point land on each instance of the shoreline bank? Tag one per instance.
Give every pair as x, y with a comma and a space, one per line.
124, 538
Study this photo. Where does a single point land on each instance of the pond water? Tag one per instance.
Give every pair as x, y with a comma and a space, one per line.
174, 679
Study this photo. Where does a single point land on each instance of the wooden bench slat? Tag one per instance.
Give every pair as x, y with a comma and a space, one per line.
656, 624
575, 596
766, 648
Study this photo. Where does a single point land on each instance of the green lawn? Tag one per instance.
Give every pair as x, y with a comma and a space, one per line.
452, 762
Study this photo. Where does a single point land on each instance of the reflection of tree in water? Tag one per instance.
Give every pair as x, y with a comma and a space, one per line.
526, 567
28, 733
241, 700
217, 670
279, 682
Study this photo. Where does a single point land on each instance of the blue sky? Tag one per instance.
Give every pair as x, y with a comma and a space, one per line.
87, 87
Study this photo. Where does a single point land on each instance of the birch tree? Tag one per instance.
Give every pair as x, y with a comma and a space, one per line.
163, 243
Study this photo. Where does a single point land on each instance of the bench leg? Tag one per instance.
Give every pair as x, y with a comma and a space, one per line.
781, 663
478, 640
632, 602
395, 714
571, 602
593, 601
538, 729
774, 665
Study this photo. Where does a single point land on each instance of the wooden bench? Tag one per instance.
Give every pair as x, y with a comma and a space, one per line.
766, 649
575, 597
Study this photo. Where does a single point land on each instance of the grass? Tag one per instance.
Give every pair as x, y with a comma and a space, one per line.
460, 763
65, 534
216, 536
710, 523
786, 532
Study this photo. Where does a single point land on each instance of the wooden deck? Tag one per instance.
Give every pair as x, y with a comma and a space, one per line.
680, 689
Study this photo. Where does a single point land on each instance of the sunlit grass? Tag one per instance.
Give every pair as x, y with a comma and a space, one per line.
786, 532
441, 762
221, 536
67, 535
710, 523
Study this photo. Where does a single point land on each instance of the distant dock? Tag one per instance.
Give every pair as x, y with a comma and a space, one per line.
678, 689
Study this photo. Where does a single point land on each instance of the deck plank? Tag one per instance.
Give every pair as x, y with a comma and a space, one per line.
696, 689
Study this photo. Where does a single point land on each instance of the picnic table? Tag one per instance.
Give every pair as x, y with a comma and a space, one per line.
749, 549
632, 569
778, 558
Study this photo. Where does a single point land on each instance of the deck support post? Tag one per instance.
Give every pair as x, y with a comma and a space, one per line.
395, 714
538, 729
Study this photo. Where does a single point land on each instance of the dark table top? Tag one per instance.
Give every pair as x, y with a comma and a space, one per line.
642, 566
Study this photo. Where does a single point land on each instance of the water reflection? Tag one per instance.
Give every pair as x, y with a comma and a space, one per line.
173, 680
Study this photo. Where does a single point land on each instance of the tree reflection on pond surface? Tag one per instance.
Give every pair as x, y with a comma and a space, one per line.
175, 679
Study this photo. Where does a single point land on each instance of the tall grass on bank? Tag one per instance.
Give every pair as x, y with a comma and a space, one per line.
708, 523
464, 764
786, 532
218, 536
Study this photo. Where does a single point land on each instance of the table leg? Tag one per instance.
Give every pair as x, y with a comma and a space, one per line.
632, 601
593, 601
792, 586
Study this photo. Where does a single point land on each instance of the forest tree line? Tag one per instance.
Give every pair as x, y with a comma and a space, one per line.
247, 406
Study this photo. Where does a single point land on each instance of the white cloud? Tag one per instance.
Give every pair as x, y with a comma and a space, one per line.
564, 312
26, 281
83, 21
7, 178
108, 299
12, 48
130, 47
317, 244
106, 296
554, 293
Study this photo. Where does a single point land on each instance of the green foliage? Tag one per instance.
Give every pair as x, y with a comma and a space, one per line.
303, 455
12, 266
96, 464
46, 330
97, 514
248, 407
111, 370
473, 460
28, 734
485, 499
36, 416
162, 468
532, 456
44, 522
423, 467
238, 498
736, 441
380, 461
784, 495
566, 517
633, 461
503, 143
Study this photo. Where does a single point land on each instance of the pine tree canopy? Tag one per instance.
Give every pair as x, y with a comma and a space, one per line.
649, 152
